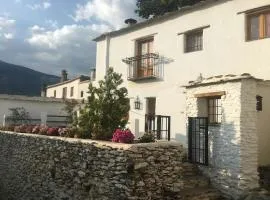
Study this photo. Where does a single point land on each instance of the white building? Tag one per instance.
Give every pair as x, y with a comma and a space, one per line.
158, 56
76, 88
39, 108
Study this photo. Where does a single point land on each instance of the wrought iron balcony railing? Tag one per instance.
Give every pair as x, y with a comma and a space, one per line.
145, 66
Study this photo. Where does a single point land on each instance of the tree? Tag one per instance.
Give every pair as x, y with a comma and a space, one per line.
19, 115
106, 108
70, 108
154, 8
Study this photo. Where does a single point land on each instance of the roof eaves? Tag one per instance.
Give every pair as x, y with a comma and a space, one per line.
158, 19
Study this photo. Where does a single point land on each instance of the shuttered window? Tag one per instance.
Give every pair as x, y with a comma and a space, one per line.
194, 41
258, 25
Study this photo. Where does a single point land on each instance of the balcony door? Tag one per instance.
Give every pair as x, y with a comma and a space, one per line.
145, 63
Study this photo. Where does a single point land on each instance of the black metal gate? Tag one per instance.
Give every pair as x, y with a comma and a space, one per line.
198, 140
160, 125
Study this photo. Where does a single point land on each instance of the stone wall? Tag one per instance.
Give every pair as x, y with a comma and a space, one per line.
41, 167
230, 169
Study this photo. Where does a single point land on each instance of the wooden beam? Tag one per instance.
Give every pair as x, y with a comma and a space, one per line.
195, 29
210, 94
254, 10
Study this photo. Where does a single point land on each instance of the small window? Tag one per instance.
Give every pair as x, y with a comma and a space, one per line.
81, 93
71, 91
259, 103
194, 41
54, 93
214, 110
64, 95
258, 26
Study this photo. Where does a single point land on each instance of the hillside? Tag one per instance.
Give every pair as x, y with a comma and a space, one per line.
19, 80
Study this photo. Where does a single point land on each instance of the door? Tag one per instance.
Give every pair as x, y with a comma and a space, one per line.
145, 63
198, 140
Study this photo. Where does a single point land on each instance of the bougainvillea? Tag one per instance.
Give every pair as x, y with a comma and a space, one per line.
43, 129
52, 132
123, 136
35, 129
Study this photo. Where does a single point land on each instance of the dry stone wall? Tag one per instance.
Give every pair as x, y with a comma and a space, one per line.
41, 167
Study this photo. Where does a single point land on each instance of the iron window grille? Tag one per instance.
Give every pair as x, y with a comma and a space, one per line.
214, 110
194, 41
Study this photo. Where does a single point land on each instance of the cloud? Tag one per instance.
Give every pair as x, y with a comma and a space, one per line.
52, 23
110, 12
36, 29
18, 1
64, 48
45, 5
6, 28
8, 36
5, 22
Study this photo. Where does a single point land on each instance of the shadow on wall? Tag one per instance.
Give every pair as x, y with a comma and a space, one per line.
181, 138
224, 158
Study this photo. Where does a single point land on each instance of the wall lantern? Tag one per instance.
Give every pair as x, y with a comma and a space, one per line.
137, 103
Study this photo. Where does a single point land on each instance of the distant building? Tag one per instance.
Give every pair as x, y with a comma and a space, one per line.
76, 88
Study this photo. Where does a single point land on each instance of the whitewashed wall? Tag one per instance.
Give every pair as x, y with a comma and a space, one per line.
225, 51
35, 108
233, 145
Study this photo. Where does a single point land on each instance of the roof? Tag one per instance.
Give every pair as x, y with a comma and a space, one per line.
159, 19
81, 78
28, 98
221, 79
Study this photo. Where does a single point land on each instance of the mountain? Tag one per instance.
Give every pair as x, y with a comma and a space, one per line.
19, 80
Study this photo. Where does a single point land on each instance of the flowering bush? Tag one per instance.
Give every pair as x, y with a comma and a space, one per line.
20, 129
43, 129
123, 136
29, 129
35, 129
7, 128
52, 132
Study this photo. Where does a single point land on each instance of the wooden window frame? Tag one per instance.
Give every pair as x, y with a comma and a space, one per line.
262, 24
64, 92
82, 94
71, 91
54, 93
215, 108
195, 33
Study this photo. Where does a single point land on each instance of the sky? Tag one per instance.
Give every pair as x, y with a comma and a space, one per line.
51, 35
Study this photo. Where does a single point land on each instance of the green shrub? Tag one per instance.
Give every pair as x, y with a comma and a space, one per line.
106, 108
147, 138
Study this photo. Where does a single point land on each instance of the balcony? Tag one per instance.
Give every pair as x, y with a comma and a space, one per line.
144, 67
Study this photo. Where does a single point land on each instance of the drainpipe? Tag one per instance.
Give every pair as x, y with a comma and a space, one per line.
108, 40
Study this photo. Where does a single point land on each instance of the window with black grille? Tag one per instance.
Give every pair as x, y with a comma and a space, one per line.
214, 110
259, 103
194, 41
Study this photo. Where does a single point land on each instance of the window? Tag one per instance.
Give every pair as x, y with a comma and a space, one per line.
194, 41
64, 93
71, 91
258, 25
214, 110
54, 93
259, 103
81, 93
145, 63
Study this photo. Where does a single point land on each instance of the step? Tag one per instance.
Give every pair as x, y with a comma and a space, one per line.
202, 193
199, 193
190, 182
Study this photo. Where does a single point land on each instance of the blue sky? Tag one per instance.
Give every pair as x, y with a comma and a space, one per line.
51, 35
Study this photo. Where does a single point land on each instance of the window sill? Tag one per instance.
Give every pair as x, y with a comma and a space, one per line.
250, 40
214, 124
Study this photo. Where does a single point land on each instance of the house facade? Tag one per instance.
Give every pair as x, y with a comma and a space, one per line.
158, 56
76, 88
234, 142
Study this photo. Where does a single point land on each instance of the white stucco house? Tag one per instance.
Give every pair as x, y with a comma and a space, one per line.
216, 39
75, 88
158, 56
